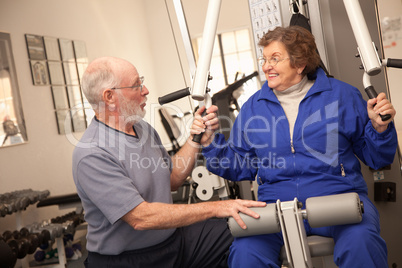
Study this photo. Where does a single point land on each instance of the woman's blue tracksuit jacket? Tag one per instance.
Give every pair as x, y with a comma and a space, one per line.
332, 131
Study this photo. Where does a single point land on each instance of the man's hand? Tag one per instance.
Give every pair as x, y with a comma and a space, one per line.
231, 208
207, 124
377, 106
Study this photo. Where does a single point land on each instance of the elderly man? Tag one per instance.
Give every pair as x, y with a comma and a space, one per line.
128, 204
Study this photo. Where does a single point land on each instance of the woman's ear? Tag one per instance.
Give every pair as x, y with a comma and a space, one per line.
300, 69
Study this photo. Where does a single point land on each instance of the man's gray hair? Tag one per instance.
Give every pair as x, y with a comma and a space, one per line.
99, 75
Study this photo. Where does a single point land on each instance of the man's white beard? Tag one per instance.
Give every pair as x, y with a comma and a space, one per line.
131, 110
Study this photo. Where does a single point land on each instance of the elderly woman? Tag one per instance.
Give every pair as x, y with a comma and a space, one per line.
302, 135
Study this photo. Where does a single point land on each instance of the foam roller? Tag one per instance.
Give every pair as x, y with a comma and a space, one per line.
268, 222
334, 210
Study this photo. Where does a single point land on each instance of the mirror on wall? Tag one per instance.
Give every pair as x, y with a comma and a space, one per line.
12, 130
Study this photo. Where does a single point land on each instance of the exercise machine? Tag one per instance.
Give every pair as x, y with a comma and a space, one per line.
367, 51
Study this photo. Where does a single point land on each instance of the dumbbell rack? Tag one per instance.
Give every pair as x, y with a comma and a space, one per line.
62, 260
17, 201
64, 202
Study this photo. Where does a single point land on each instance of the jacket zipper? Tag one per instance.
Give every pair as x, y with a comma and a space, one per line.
343, 170
291, 147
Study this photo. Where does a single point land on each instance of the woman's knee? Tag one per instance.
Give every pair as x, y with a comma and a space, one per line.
355, 241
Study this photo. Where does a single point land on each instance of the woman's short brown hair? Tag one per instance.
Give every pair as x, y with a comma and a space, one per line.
299, 44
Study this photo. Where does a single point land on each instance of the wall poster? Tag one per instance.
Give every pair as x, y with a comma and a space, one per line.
265, 16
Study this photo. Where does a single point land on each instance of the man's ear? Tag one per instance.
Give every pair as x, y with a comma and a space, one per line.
109, 97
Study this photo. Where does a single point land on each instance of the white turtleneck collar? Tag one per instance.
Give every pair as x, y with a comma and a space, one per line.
290, 99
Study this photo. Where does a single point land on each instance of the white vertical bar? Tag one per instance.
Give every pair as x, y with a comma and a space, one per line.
207, 45
181, 18
61, 252
367, 51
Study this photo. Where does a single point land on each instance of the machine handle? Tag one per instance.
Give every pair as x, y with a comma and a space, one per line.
371, 93
197, 137
174, 96
395, 63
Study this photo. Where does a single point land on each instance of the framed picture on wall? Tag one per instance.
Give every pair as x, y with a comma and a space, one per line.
81, 69
70, 73
56, 73
80, 51
60, 99
79, 122
74, 97
67, 50
63, 118
52, 48
36, 48
39, 72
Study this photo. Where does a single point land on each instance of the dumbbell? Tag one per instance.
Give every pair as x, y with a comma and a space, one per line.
52, 231
43, 234
77, 246
61, 219
21, 202
43, 194
73, 251
7, 235
15, 204
69, 221
27, 242
51, 253
3, 210
78, 219
9, 207
39, 255
23, 242
7, 257
35, 196
320, 211
19, 245
32, 196
5, 196
68, 227
69, 252
64, 218
22, 198
34, 239
57, 229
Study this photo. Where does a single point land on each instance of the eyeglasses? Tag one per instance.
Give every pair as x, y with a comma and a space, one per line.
273, 61
140, 86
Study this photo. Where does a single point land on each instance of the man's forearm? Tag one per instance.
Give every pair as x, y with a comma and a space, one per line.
153, 216
183, 163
